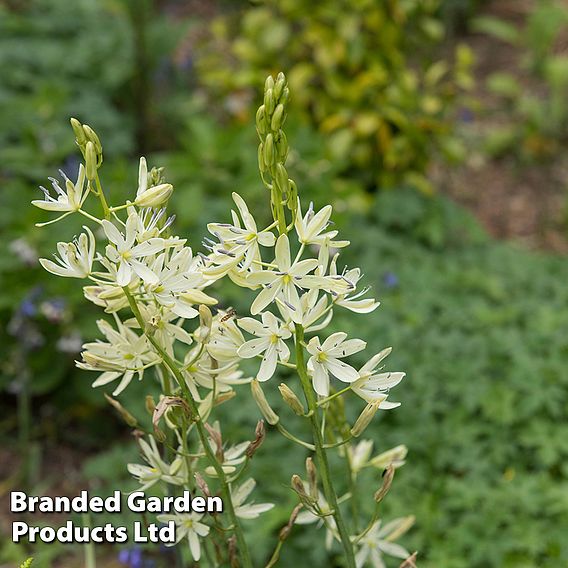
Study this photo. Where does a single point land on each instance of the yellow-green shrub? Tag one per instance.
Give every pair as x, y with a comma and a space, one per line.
361, 70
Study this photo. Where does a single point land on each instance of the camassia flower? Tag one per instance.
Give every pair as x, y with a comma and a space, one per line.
309, 228
150, 195
165, 326
179, 281
353, 300
69, 200
124, 355
290, 277
157, 469
270, 336
379, 540
188, 526
237, 244
371, 386
248, 510
75, 259
128, 256
326, 359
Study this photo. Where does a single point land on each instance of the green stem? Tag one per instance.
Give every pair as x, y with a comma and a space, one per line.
90, 556
353, 491
170, 363
329, 490
101, 194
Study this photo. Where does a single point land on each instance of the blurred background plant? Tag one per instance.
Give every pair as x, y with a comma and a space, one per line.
368, 75
484, 323
533, 93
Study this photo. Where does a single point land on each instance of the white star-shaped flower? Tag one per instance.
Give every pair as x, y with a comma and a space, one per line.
309, 228
250, 510
67, 201
75, 259
188, 526
157, 469
326, 359
371, 386
127, 255
377, 541
237, 243
270, 335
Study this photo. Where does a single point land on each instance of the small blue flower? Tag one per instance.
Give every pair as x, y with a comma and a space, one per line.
390, 280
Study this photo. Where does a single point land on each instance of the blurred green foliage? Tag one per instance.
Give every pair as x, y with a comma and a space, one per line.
533, 93
366, 73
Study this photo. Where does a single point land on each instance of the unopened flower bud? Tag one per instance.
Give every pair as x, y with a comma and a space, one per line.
291, 399
285, 96
79, 132
365, 418
269, 83
298, 487
277, 117
205, 323
258, 394
92, 136
387, 482
260, 434
150, 404
202, 484
224, 397
395, 457
279, 86
125, 415
268, 150
269, 101
282, 179
261, 120
261, 163
282, 146
90, 161
312, 478
155, 196
217, 439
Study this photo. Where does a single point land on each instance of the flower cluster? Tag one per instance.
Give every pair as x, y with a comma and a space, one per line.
165, 318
